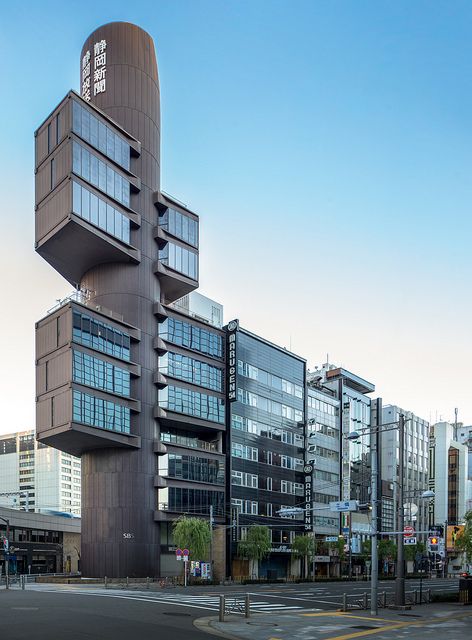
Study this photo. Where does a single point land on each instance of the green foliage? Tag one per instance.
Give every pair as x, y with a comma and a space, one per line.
387, 549
366, 549
257, 544
411, 550
304, 546
193, 534
464, 539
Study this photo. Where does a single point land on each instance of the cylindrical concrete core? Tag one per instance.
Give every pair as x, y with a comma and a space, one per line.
119, 535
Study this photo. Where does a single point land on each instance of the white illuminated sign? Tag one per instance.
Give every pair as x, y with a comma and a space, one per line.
95, 81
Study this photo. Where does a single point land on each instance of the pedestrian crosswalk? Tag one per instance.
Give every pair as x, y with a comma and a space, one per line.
233, 603
213, 602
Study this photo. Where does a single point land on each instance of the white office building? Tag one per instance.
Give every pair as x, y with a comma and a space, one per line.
448, 461
36, 477
415, 476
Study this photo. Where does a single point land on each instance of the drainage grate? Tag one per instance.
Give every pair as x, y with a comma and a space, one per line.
176, 613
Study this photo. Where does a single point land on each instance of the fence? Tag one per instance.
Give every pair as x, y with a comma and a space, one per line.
385, 599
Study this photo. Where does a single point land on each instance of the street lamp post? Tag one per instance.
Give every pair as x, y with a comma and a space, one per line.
400, 577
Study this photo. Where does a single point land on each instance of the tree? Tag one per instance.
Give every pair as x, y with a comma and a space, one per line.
256, 546
386, 549
304, 547
193, 534
412, 549
464, 539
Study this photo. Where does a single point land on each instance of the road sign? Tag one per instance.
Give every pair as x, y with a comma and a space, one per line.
408, 541
185, 558
343, 505
178, 554
345, 529
331, 539
185, 552
408, 531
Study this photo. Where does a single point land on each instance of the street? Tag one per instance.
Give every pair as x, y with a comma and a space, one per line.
49, 611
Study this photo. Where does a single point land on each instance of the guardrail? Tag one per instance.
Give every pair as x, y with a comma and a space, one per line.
234, 605
385, 599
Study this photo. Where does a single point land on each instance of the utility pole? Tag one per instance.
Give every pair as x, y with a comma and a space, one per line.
400, 579
211, 541
374, 567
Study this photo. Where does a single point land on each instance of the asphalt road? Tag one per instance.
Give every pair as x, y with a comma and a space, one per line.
44, 615
264, 598
91, 612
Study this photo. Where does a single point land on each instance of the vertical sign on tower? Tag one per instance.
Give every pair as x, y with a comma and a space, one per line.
346, 464
99, 67
231, 358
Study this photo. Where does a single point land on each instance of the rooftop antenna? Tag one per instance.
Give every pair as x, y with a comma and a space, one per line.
456, 411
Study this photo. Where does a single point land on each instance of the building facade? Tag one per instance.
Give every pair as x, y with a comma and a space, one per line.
40, 543
192, 416
415, 477
447, 475
36, 477
129, 249
265, 444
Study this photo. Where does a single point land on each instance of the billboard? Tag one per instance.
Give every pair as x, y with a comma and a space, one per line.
453, 530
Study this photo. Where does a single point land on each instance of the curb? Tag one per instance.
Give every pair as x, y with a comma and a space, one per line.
204, 624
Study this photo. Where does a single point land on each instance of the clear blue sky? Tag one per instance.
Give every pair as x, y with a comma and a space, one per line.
339, 133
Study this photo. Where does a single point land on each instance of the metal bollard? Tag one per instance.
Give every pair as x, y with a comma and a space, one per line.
106, 582
222, 609
344, 602
147, 582
23, 581
247, 606
127, 582
365, 601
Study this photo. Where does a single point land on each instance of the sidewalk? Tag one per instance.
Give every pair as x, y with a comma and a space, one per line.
451, 621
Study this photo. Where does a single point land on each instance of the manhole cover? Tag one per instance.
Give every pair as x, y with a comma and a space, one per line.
176, 613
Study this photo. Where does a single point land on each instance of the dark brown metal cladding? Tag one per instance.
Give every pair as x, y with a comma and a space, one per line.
119, 535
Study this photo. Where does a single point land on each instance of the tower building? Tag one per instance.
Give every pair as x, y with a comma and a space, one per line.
129, 250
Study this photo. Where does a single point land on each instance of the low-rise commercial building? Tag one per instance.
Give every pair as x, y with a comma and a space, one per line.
40, 543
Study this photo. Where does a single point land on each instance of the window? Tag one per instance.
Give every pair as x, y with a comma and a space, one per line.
193, 403
97, 335
188, 467
180, 259
242, 479
188, 335
243, 451
98, 212
89, 167
180, 225
191, 370
100, 374
53, 173
195, 501
86, 125
97, 412
265, 404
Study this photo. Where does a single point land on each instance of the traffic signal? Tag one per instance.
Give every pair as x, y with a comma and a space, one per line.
433, 544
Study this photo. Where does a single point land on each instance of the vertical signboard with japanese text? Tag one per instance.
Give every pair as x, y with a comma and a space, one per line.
94, 69
231, 359
346, 463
